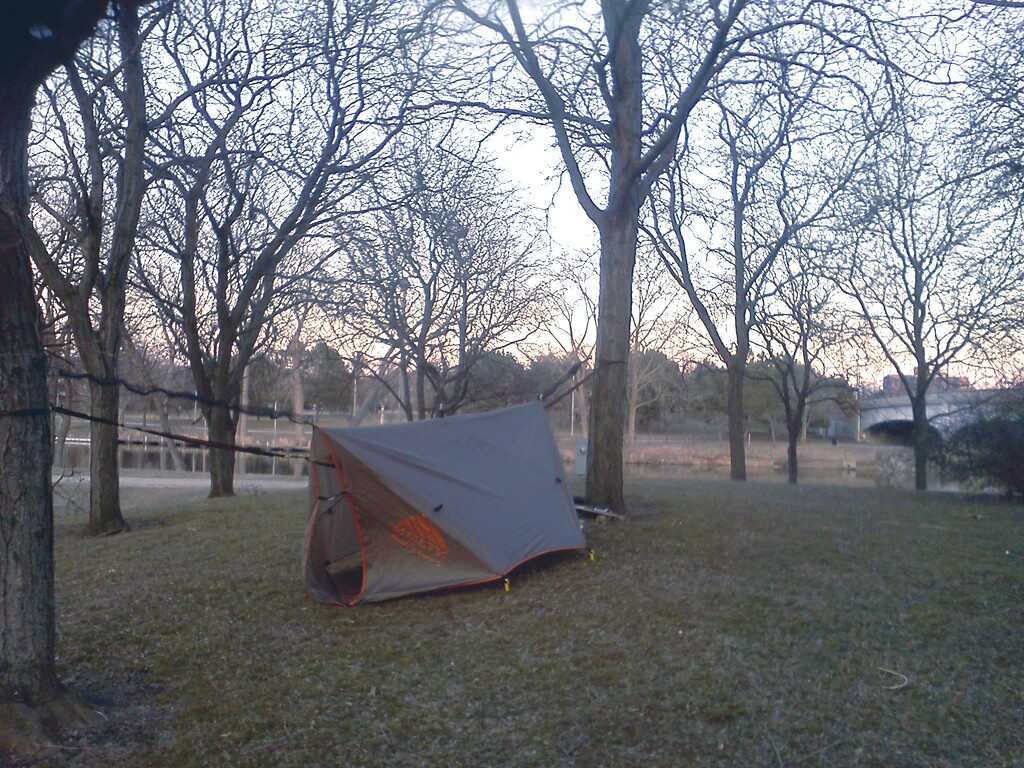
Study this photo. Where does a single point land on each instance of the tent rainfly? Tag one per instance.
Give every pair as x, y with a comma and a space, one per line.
450, 502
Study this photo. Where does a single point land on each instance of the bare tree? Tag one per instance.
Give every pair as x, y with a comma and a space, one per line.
934, 264
444, 268
148, 363
88, 195
34, 41
616, 130
571, 329
993, 106
721, 217
803, 335
617, 85
272, 131
658, 327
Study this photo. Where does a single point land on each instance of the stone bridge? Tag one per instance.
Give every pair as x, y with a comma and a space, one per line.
948, 411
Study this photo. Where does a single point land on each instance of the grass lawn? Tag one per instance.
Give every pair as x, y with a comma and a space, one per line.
723, 624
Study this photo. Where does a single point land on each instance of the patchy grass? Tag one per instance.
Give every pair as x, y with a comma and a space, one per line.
723, 624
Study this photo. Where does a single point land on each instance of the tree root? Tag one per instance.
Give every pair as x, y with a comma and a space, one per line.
34, 730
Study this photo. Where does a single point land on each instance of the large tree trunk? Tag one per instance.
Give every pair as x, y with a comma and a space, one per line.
735, 373
27, 670
104, 485
792, 471
221, 429
618, 227
608, 404
31, 706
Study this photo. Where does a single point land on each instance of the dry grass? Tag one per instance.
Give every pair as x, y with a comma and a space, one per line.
722, 625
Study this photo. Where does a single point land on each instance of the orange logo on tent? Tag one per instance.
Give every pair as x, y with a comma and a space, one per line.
417, 534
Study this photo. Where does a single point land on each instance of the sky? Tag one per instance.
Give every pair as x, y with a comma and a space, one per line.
533, 165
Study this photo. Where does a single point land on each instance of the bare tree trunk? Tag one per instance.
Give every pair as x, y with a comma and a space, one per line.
242, 431
795, 428
104, 486
921, 442
735, 374
608, 405
63, 423
792, 471
27, 670
31, 697
165, 425
298, 391
363, 409
33, 703
221, 429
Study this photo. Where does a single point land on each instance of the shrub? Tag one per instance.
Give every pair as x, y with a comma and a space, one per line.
990, 451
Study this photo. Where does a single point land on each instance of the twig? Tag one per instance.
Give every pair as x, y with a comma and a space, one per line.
778, 754
902, 684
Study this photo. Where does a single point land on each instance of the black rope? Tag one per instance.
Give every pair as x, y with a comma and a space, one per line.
179, 438
188, 440
193, 397
564, 378
573, 388
598, 365
209, 403
197, 441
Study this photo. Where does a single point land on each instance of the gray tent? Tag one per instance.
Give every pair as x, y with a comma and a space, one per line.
448, 502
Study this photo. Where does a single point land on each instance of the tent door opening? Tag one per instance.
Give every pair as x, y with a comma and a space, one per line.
346, 575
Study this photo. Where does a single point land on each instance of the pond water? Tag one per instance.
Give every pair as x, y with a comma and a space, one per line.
158, 458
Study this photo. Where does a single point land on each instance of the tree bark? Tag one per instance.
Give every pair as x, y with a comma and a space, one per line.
104, 483
618, 226
31, 697
221, 429
921, 441
165, 425
609, 401
27, 667
735, 373
794, 428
